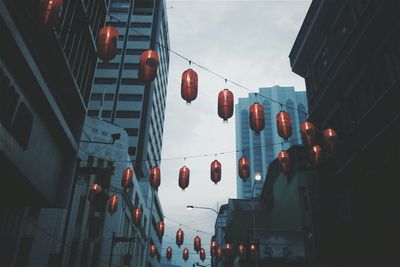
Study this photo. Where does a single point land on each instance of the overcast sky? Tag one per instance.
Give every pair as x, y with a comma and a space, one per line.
245, 41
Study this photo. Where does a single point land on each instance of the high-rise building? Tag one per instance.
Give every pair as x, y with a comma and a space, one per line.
261, 149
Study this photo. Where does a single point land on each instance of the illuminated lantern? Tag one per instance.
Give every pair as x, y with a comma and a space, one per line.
185, 255
197, 243
189, 85
160, 228
179, 237
219, 253
330, 139
257, 117
284, 124
253, 248
202, 254
213, 248
184, 175
113, 204
215, 171
107, 43
241, 250
308, 133
94, 190
225, 104
155, 177
169, 253
244, 168
148, 65
49, 11
284, 161
137, 216
315, 155
227, 249
153, 250
127, 175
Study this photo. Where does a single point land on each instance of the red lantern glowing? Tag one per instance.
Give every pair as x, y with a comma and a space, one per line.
189, 85
184, 175
253, 248
153, 250
257, 122
202, 254
168, 254
155, 177
197, 243
308, 133
49, 11
148, 65
219, 253
241, 250
215, 171
113, 204
244, 168
94, 190
315, 155
284, 124
185, 255
127, 175
107, 43
213, 248
284, 161
137, 216
179, 237
227, 249
160, 228
225, 104
330, 139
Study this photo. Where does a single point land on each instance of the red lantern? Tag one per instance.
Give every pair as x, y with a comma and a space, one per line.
308, 133
253, 248
113, 204
179, 237
284, 161
213, 248
169, 253
215, 171
49, 11
202, 254
257, 122
189, 85
244, 168
219, 253
137, 216
225, 104
284, 124
185, 255
227, 249
94, 190
155, 177
127, 175
153, 250
184, 175
197, 243
330, 139
160, 228
107, 43
148, 65
241, 250
315, 155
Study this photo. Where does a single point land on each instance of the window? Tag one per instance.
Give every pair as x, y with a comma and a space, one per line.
140, 24
131, 81
138, 38
132, 131
108, 66
134, 52
131, 66
107, 97
130, 97
127, 114
105, 80
132, 151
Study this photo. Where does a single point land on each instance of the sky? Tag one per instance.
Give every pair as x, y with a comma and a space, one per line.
245, 41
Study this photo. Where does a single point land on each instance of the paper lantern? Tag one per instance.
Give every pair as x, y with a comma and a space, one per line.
189, 85
107, 43
257, 122
225, 104
148, 65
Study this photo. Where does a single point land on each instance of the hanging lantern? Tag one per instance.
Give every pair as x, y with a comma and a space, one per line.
94, 190
284, 161
197, 243
308, 133
219, 253
215, 171
252, 248
113, 204
148, 65
137, 216
185, 255
225, 104
330, 139
160, 228
257, 123
155, 177
49, 12
244, 168
213, 248
189, 85
168, 254
315, 155
241, 250
127, 175
227, 249
179, 237
284, 124
184, 175
153, 250
107, 43
202, 254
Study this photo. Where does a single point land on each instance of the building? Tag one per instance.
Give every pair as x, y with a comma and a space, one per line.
46, 77
220, 226
266, 145
348, 53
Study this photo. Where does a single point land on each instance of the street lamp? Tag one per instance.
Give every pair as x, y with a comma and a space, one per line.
190, 207
257, 177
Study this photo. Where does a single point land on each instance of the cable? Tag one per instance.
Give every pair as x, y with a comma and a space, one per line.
187, 226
